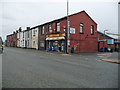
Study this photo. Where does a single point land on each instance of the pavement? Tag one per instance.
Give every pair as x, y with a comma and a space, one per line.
111, 57
0, 51
25, 68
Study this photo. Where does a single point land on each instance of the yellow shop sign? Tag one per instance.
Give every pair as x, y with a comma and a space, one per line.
56, 35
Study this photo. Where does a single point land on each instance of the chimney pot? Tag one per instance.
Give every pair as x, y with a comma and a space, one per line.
28, 28
20, 29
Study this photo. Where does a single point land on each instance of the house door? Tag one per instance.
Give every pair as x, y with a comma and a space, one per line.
25, 44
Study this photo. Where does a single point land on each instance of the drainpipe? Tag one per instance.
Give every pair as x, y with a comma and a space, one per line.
104, 39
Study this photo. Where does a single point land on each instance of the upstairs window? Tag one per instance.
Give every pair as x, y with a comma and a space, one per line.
81, 28
43, 30
58, 27
50, 27
92, 30
34, 32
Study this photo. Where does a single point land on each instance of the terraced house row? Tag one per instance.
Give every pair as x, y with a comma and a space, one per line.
83, 35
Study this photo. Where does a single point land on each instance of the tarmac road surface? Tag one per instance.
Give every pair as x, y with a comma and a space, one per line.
25, 68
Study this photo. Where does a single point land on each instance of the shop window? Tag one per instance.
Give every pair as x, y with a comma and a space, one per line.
92, 29
42, 44
58, 27
43, 30
50, 27
81, 28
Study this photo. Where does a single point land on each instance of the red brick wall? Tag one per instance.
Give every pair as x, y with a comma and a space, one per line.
101, 44
54, 27
63, 25
87, 42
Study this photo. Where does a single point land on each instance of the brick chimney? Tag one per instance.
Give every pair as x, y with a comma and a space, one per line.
28, 28
14, 32
20, 29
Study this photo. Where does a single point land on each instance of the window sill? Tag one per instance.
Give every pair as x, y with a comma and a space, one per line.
81, 33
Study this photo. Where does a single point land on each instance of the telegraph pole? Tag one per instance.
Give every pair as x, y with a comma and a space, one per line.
68, 25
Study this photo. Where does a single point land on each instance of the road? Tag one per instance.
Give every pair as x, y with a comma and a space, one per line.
25, 68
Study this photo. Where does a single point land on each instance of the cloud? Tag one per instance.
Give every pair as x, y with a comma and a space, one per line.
59, 0
23, 14
7, 17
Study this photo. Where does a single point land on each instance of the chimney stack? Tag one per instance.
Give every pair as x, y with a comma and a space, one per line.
14, 32
20, 29
28, 28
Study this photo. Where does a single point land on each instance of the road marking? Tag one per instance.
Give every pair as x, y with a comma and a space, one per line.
99, 60
105, 54
100, 56
73, 63
112, 60
65, 54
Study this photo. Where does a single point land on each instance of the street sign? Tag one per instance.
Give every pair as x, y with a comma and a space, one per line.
102, 40
72, 30
68, 42
110, 41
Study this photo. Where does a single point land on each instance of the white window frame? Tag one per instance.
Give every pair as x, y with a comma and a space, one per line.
92, 29
50, 27
34, 32
81, 28
58, 26
43, 30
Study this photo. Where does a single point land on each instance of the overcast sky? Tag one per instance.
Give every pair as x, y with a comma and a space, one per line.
24, 13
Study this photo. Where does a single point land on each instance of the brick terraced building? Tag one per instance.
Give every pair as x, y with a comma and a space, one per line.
83, 35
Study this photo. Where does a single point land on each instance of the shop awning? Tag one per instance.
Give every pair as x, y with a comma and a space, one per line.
55, 38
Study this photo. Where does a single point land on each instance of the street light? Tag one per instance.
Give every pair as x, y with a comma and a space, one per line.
104, 40
68, 25
105, 31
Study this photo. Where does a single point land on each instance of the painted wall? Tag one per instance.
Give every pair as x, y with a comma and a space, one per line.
30, 39
35, 38
22, 39
18, 39
26, 39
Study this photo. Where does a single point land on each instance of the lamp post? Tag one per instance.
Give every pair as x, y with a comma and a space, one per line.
104, 40
68, 32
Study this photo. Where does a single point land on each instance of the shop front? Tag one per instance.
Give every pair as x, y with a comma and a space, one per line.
56, 42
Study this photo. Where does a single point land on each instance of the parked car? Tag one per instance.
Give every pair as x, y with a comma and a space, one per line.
106, 49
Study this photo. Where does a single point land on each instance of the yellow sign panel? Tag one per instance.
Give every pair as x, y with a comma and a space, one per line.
56, 35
